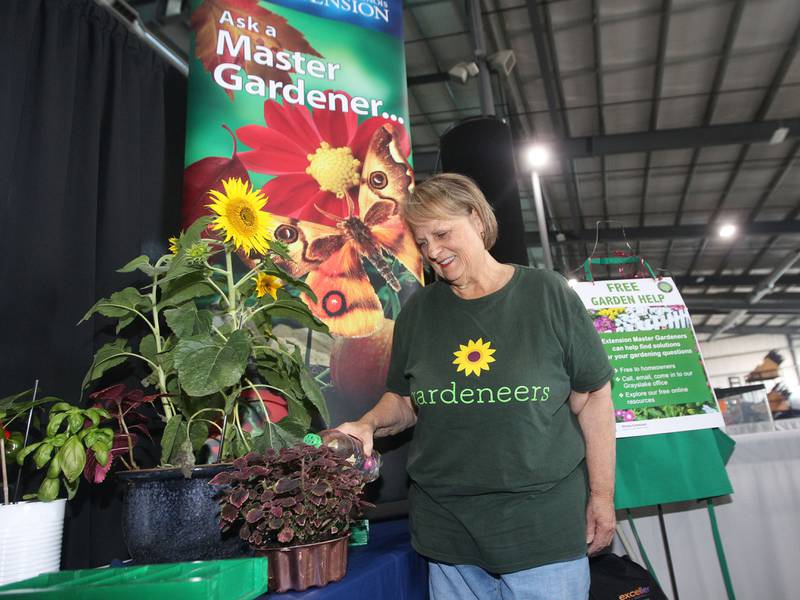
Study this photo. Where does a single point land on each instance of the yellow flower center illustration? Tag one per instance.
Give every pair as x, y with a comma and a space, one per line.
474, 357
334, 169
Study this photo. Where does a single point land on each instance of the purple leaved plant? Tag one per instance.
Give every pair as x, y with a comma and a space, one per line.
125, 407
294, 496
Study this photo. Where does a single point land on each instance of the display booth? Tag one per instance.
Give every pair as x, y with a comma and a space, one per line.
232, 247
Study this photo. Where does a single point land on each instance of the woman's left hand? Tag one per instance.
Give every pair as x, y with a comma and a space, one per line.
600, 522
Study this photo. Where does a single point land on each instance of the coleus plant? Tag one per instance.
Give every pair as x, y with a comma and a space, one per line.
209, 346
291, 496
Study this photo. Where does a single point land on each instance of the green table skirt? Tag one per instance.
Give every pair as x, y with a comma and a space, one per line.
672, 467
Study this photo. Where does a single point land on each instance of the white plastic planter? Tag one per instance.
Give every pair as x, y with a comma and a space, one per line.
30, 539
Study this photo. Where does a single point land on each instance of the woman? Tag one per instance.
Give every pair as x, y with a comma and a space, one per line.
501, 371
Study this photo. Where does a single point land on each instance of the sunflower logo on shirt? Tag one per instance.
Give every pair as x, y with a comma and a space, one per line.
474, 357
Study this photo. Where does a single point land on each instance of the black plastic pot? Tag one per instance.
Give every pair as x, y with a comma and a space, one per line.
169, 518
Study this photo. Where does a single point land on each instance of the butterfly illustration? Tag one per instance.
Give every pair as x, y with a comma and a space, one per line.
333, 256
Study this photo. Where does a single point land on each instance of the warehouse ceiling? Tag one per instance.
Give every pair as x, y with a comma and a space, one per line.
665, 118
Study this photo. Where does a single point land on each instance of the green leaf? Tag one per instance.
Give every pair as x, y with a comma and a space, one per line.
55, 423
22, 454
187, 321
283, 438
194, 232
49, 489
299, 413
207, 365
72, 456
58, 440
294, 426
61, 407
75, 420
187, 286
314, 394
72, 488
101, 455
171, 431
280, 249
54, 470
107, 357
120, 304
141, 263
296, 311
42, 455
94, 414
198, 434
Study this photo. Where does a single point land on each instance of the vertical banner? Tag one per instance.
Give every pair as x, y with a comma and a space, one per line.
305, 100
660, 382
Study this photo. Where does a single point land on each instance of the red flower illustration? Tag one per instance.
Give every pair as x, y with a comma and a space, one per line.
317, 158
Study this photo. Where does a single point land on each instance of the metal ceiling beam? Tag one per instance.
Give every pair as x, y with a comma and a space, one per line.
752, 330
669, 139
601, 120
710, 304
774, 184
719, 75
557, 116
780, 73
658, 80
667, 232
764, 287
683, 281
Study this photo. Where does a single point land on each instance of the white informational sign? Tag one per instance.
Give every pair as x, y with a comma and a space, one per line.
660, 383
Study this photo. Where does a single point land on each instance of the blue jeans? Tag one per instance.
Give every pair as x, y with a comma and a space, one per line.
567, 580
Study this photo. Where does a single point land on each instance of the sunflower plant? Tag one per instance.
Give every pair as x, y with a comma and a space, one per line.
209, 346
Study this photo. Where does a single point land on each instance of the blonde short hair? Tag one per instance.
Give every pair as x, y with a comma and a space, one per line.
446, 195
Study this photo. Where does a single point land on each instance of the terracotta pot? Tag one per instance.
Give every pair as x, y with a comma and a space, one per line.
301, 567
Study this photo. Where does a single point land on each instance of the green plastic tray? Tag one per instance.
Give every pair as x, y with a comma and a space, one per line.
234, 579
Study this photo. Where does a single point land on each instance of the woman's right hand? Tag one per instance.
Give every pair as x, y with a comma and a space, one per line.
360, 430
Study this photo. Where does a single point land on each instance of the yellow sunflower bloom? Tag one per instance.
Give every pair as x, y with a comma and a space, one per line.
173, 245
268, 284
240, 215
474, 357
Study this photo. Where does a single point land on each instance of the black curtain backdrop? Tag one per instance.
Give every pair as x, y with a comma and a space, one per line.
91, 156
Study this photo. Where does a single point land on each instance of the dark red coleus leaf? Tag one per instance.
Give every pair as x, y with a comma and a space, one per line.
320, 489
267, 495
286, 535
229, 513
253, 515
244, 532
223, 478
205, 175
275, 523
276, 511
238, 496
286, 484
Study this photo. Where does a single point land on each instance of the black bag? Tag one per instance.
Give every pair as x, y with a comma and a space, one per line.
619, 578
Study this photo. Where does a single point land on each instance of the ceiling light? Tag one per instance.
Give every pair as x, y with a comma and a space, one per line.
728, 230
779, 135
538, 156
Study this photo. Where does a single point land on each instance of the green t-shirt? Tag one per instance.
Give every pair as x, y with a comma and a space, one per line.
497, 459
